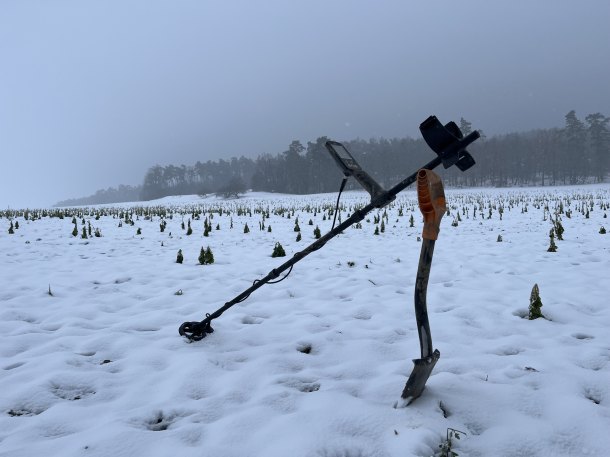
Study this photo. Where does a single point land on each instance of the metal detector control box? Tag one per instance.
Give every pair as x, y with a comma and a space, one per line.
350, 167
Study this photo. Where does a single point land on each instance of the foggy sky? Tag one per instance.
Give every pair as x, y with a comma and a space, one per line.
92, 93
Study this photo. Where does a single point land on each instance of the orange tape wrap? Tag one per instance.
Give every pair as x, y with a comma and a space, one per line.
431, 198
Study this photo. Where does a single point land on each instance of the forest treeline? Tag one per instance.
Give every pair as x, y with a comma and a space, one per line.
120, 194
578, 152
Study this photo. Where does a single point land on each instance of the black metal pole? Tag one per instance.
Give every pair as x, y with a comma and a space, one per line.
421, 287
195, 331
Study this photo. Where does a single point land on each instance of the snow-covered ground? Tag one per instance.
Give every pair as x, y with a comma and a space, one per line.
314, 365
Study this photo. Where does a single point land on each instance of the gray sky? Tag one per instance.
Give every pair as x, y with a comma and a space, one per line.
92, 93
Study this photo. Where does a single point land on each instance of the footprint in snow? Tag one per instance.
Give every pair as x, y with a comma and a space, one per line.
12, 366
145, 329
122, 280
342, 452
593, 394
159, 423
304, 348
595, 363
251, 320
71, 392
18, 412
301, 384
508, 350
363, 314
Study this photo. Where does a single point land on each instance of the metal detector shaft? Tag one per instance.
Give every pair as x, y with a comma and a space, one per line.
195, 331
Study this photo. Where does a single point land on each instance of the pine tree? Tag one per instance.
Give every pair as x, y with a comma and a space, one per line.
246, 228
84, 234
599, 138
139, 231
535, 304
557, 228
201, 258
575, 141
179, 257
552, 246
298, 236
411, 221
11, 230
465, 126
209, 256
74, 231
316, 233
278, 250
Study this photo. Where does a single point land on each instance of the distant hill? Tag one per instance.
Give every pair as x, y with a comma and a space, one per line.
111, 195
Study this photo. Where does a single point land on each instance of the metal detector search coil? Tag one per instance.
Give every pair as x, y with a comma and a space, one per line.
350, 167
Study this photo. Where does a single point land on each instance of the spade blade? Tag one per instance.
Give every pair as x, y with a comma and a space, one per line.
420, 374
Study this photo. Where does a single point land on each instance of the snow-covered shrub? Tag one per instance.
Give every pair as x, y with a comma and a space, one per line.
535, 304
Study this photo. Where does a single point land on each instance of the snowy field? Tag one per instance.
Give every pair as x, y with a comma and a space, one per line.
315, 365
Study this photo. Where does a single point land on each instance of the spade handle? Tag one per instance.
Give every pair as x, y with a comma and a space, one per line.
431, 199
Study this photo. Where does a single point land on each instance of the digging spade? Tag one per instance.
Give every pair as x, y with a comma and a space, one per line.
431, 199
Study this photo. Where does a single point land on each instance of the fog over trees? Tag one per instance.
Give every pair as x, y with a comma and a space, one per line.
111, 195
577, 153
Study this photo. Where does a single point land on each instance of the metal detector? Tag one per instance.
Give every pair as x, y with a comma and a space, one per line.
447, 141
